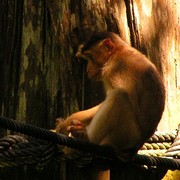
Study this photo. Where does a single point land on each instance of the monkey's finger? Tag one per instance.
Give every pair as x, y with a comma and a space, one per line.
61, 130
80, 135
74, 128
76, 122
59, 120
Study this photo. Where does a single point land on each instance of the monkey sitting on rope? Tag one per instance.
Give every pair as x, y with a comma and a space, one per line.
134, 100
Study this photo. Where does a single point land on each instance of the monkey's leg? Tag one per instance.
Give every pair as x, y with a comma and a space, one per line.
115, 124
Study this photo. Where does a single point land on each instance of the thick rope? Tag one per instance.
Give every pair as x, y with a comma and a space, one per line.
15, 150
159, 137
172, 164
53, 137
156, 146
102, 151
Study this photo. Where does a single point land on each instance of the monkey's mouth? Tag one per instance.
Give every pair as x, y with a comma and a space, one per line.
95, 77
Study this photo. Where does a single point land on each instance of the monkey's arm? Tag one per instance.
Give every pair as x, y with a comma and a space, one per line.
77, 130
83, 117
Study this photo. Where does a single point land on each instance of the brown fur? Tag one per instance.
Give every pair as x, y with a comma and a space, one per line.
135, 96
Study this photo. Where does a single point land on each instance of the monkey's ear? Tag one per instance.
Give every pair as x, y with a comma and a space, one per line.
108, 44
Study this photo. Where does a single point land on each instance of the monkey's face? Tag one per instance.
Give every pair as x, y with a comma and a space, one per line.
96, 56
100, 52
94, 64
93, 70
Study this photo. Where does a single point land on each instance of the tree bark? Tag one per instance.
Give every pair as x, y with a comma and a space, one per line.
40, 77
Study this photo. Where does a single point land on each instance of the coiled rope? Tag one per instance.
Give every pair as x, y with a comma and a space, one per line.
16, 150
94, 149
53, 137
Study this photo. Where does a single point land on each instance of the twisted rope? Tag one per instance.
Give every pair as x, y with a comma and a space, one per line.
16, 150
156, 146
172, 164
53, 137
159, 137
155, 153
101, 151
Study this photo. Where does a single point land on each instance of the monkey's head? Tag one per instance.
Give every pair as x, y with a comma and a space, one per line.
97, 51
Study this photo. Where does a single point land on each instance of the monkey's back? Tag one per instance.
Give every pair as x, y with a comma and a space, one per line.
134, 73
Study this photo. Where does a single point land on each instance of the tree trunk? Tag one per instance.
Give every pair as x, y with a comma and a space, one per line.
40, 77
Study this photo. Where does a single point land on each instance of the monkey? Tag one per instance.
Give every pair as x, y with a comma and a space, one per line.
134, 102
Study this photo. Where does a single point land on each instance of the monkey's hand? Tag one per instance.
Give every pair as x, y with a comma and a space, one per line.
62, 124
77, 130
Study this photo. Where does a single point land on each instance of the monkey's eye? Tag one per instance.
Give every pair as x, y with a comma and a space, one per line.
86, 57
90, 58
